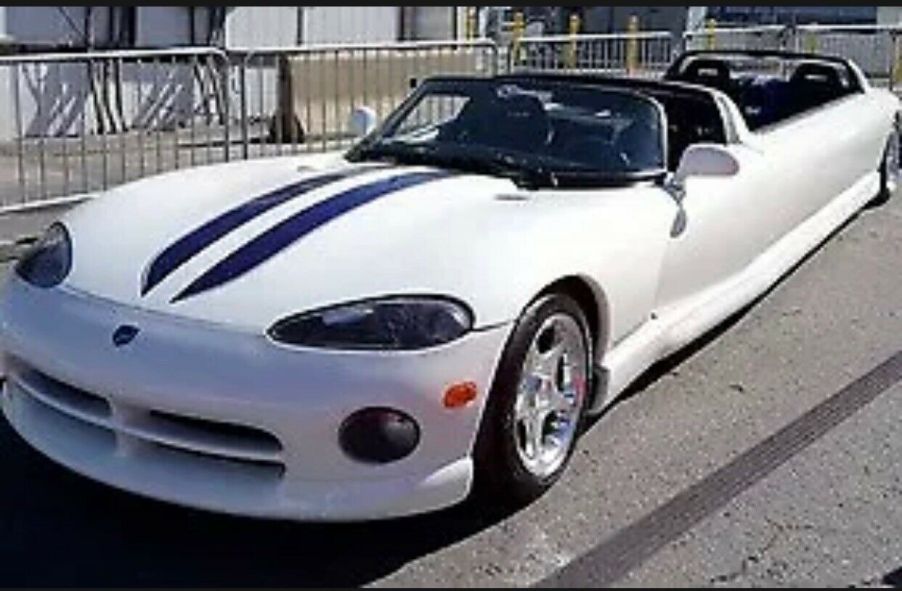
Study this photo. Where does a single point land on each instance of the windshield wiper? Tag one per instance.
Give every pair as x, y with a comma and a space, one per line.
400, 154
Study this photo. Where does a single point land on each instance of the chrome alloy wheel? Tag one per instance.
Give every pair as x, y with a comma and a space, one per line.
550, 395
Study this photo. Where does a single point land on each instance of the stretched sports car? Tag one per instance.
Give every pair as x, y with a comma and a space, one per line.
383, 331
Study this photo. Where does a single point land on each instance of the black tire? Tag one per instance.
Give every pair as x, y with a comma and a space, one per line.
501, 477
890, 158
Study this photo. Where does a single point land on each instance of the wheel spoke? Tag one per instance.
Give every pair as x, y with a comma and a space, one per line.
521, 407
566, 375
529, 444
560, 402
534, 435
546, 363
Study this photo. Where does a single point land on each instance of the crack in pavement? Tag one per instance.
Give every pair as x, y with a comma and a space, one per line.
636, 543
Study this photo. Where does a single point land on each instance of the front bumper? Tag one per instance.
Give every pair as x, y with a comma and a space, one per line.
223, 419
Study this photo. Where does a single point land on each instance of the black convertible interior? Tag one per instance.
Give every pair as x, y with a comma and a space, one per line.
593, 122
768, 87
692, 115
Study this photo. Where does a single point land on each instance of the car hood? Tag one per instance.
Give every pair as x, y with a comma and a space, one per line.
248, 243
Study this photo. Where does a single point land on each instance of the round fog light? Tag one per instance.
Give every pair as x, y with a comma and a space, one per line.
378, 435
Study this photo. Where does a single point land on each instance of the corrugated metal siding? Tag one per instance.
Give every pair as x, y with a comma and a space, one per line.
48, 25
262, 26
889, 15
350, 24
162, 26
431, 22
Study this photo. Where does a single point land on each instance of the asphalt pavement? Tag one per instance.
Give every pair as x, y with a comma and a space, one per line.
767, 454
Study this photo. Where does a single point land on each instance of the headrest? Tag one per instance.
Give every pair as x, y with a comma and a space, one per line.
706, 71
522, 105
815, 73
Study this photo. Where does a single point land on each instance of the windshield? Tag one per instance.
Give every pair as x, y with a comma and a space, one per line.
539, 132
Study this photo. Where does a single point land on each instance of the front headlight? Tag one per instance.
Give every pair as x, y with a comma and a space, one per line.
395, 323
48, 262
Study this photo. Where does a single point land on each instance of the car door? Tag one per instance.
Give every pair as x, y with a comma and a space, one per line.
785, 175
722, 222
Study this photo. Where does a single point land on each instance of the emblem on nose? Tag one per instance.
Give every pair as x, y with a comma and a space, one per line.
125, 334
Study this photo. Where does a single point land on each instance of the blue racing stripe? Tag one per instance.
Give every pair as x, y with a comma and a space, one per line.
180, 251
285, 233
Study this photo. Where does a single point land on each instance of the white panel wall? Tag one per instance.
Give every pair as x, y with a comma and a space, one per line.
262, 26
434, 22
246, 26
55, 100
161, 26
350, 24
889, 15
47, 24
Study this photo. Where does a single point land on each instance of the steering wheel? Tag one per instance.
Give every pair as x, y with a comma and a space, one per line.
595, 152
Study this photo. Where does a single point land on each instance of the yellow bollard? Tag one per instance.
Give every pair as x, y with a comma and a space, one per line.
471, 22
897, 61
811, 42
632, 46
517, 29
574, 32
710, 34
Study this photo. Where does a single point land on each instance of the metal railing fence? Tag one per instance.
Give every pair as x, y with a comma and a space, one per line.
875, 48
83, 122
640, 54
291, 100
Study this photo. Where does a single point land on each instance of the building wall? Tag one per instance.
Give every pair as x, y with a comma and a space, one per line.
432, 22
613, 19
49, 25
162, 26
262, 26
245, 26
784, 15
349, 24
889, 15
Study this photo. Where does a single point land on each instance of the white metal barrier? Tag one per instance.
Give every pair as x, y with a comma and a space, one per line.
875, 48
641, 54
760, 37
298, 99
82, 122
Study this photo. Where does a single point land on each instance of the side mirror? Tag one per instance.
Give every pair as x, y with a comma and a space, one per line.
362, 121
710, 160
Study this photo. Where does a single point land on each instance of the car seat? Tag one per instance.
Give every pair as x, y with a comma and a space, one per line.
814, 84
516, 122
763, 100
712, 73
